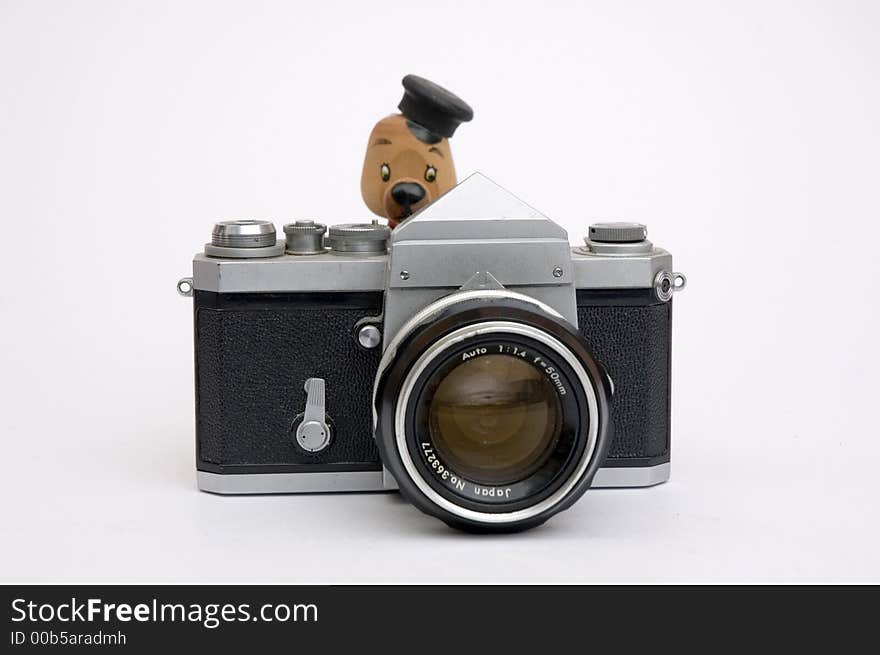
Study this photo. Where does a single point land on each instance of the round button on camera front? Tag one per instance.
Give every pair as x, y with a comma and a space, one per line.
369, 336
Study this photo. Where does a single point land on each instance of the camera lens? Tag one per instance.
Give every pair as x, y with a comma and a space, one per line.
495, 419
491, 412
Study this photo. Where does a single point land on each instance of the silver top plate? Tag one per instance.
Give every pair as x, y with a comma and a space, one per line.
476, 227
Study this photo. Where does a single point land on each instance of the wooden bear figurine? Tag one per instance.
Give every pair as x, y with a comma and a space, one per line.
408, 162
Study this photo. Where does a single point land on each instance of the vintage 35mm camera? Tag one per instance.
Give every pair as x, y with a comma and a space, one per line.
471, 358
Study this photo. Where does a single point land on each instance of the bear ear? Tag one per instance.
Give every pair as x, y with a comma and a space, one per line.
430, 108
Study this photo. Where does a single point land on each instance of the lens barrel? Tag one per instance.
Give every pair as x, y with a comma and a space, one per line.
491, 412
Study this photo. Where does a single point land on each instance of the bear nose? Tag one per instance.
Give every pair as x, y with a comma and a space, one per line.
407, 193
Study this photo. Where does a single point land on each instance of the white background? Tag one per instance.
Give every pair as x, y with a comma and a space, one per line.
744, 134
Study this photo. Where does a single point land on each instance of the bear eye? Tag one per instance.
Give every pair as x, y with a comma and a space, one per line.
385, 172
430, 174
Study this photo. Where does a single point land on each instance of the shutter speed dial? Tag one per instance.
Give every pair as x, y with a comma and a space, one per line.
359, 238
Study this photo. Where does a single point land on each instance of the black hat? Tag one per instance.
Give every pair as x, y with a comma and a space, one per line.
433, 107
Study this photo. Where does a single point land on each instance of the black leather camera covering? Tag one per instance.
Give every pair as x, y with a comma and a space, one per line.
630, 333
254, 352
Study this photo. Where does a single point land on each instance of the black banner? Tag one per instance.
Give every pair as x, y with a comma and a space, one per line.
456, 619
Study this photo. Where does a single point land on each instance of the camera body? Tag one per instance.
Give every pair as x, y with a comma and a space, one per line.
292, 351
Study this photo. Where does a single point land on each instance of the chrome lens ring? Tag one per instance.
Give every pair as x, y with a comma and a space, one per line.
437, 350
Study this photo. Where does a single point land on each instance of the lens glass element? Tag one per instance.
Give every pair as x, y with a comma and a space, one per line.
495, 419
